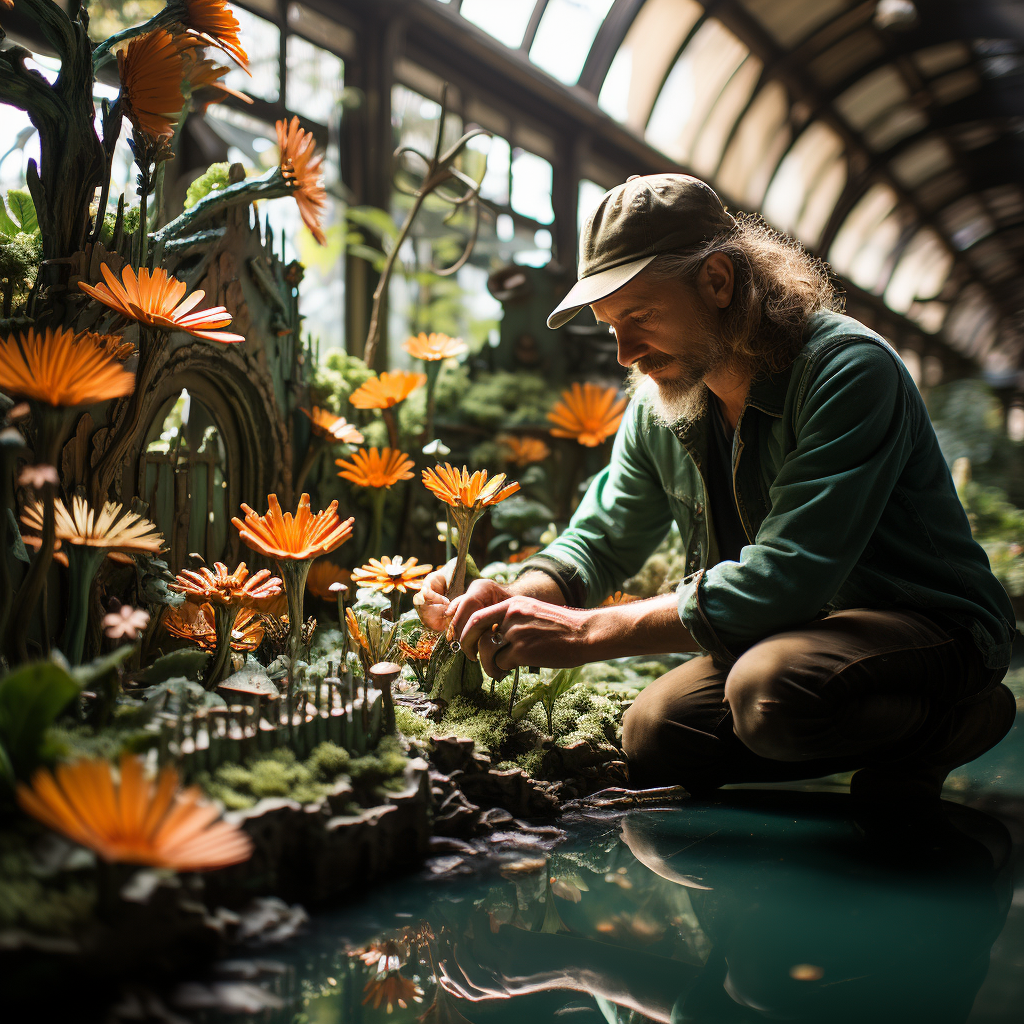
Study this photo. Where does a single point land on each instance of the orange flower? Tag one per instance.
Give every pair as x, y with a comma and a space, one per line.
391, 990
112, 344
387, 390
111, 528
221, 587
322, 574
430, 347
60, 369
156, 299
213, 22
523, 554
385, 954
387, 574
524, 450
151, 70
202, 73
372, 468
195, 623
294, 539
304, 171
334, 428
587, 414
619, 598
357, 635
460, 490
423, 649
134, 822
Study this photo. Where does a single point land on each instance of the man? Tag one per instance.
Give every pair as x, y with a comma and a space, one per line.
844, 616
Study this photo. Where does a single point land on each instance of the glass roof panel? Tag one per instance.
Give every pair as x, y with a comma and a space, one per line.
956, 85
971, 324
756, 147
922, 161
506, 21
821, 202
800, 171
899, 123
967, 222
531, 186
869, 266
694, 83
843, 59
936, 59
564, 36
791, 21
638, 70
707, 151
921, 272
869, 211
871, 96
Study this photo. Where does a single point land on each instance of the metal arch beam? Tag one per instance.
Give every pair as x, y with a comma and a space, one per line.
609, 38
539, 7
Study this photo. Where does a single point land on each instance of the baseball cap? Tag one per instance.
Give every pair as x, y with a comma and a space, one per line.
633, 224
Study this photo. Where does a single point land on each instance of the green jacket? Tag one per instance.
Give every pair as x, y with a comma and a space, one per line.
842, 491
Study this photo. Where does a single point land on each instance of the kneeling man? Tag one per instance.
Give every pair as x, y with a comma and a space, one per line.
843, 615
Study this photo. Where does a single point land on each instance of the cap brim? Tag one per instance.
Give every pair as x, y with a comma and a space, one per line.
595, 288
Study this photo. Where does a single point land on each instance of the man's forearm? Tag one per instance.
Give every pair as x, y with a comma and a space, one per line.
537, 584
640, 627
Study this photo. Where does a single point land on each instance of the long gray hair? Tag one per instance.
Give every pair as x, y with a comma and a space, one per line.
778, 285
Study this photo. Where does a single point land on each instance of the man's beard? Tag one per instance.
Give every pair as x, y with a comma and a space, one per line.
683, 394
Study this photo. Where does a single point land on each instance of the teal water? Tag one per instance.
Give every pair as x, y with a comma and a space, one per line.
761, 905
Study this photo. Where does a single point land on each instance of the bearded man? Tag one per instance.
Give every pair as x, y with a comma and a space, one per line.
843, 616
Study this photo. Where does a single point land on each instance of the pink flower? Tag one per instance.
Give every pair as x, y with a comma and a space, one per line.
125, 622
38, 476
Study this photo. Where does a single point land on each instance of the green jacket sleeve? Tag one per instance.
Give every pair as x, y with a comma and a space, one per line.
622, 518
852, 439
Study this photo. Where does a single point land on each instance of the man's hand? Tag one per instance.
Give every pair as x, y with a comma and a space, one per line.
430, 601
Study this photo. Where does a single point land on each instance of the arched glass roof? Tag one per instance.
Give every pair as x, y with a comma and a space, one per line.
888, 142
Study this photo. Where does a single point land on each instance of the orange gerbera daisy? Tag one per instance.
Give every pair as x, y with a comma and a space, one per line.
588, 414
387, 390
201, 74
391, 990
619, 598
135, 821
387, 574
111, 528
372, 468
59, 368
523, 554
334, 428
293, 538
151, 69
385, 954
303, 170
431, 347
524, 450
460, 490
196, 623
322, 573
156, 299
357, 635
227, 588
213, 22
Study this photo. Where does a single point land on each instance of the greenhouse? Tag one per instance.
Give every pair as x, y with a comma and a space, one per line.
512, 510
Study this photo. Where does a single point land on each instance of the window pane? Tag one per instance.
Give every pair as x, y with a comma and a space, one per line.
756, 147
821, 202
868, 269
707, 152
495, 185
866, 99
315, 80
922, 161
506, 20
692, 87
262, 42
590, 194
651, 44
791, 21
564, 36
531, 186
921, 272
868, 213
799, 172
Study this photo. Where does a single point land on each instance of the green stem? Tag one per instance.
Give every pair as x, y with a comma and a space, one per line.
377, 499
396, 605
392, 424
104, 53
83, 563
433, 368
317, 447
294, 574
458, 584
224, 617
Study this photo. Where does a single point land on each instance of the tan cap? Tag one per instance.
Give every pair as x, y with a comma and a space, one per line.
633, 224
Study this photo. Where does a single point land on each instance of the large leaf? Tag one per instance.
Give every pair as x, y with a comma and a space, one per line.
22, 210
18, 548
7, 226
178, 693
378, 221
188, 662
90, 675
30, 699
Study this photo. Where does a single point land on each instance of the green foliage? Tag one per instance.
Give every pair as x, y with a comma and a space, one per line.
31, 698
507, 400
177, 692
20, 256
547, 690
18, 214
412, 725
189, 662
214, 178
130, 222
337, 377
383, 769
663, 571
517, 514
999, 527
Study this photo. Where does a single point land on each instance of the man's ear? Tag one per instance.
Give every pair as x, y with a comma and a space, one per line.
717, 280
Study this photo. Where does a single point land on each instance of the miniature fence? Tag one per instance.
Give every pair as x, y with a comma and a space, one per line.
301, 718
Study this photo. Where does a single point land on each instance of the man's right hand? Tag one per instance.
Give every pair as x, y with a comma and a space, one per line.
436, 611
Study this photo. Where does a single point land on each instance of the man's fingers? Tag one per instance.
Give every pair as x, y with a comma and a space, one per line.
479, 624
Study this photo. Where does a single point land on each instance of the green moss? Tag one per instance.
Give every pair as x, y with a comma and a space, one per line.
384, 768
214, 178
507, 400
411, 724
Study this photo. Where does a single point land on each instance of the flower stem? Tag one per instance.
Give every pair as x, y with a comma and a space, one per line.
433, 368
83, 563
396, 605
392, 424
377, 504
294, 574
315, 450
465, 528
224, 617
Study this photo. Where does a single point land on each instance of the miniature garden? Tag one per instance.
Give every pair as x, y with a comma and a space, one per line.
217, 699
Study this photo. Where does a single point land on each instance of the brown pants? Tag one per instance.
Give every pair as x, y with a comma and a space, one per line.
859, 688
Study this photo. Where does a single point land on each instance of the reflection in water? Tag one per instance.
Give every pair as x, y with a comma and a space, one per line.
761, 906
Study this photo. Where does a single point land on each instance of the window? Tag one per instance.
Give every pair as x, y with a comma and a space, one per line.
564, 36
263, 45
315, 79
505, 20
707, 152
921, 272
756, 146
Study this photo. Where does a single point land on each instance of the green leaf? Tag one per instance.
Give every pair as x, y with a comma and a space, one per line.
376, 220
7, 226
30, 699
188, 662
23, 210
18, 548
87, 676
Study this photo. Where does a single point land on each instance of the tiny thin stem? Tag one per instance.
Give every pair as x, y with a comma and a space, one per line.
377, 500
396, 605
392, 424
224, 617
433, 368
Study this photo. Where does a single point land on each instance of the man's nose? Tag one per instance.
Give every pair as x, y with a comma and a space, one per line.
630, 348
